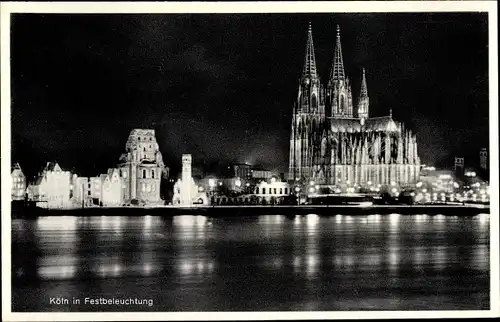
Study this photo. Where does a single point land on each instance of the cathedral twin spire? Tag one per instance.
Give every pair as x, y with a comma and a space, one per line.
337, 75
337, 72
310, 61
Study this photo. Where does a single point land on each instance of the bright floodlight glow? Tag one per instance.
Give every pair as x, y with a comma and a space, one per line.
211, 183
297, 189
200, 188
311, 183
238, 182
220, 183
369, 182
419, 184
311, 190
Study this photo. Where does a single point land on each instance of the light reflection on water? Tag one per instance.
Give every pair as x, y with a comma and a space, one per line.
256, 251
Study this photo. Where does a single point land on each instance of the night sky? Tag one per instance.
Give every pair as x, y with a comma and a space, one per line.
222, 87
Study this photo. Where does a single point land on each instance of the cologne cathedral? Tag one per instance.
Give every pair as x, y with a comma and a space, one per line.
334, 143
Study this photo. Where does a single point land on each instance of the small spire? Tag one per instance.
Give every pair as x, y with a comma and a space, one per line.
310, 60
390, 112
337, 72
364, 88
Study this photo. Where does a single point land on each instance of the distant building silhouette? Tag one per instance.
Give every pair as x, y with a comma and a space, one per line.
483, 159
18, 182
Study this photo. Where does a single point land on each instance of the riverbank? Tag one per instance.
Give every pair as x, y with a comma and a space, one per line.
215, 211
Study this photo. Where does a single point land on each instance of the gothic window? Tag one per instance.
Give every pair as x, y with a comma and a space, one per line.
342, 104
263, 191
150, 139
314, 102
144, 173
153, 174
323, 148
139, 138
144, 149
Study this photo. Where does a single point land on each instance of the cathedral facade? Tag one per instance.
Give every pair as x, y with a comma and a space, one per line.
335, 141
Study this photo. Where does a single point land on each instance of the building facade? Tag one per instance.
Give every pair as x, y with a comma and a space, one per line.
18, 183
459, 166
82, 191
53, 186
333, 143
272, 188
112, 188
242, 170
141, 167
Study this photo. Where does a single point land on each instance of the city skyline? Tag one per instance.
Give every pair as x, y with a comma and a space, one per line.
221, 87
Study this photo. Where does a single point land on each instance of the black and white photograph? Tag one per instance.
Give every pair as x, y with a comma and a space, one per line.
277, 158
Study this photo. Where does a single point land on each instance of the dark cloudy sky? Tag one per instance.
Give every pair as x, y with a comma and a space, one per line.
222, 86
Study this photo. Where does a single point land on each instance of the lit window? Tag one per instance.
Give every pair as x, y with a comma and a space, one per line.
124, 174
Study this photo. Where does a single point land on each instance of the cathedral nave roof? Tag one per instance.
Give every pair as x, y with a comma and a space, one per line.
381, 124
345, 125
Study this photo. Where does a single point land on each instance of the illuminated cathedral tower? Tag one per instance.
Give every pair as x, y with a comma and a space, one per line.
339, 94
332, 144
308, 117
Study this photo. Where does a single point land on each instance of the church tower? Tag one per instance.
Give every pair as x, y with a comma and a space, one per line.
364, 101
339, 95
308, 116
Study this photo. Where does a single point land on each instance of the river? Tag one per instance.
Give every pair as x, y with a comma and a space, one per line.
251, 263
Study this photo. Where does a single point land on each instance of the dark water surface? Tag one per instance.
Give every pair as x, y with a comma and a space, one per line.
263, 263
